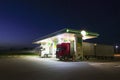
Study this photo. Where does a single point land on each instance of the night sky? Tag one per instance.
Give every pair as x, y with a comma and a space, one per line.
23, 21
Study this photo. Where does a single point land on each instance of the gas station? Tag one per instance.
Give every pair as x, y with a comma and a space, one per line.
65, 43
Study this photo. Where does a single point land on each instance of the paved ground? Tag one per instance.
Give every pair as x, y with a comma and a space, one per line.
35, 68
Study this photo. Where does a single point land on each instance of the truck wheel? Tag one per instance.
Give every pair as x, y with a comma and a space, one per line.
65, 58
60, 59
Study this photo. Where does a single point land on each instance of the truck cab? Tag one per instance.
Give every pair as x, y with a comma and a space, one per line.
63, 51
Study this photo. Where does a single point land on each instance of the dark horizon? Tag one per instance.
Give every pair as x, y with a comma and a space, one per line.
23, 21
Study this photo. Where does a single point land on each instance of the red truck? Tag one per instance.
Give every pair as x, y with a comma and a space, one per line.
63, 51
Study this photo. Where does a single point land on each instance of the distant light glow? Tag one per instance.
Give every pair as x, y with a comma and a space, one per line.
116, 46
95, 44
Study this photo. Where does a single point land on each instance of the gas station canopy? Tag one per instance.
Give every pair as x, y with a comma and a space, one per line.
68, 34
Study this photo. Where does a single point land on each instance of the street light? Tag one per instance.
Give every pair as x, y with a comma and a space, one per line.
83, 33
